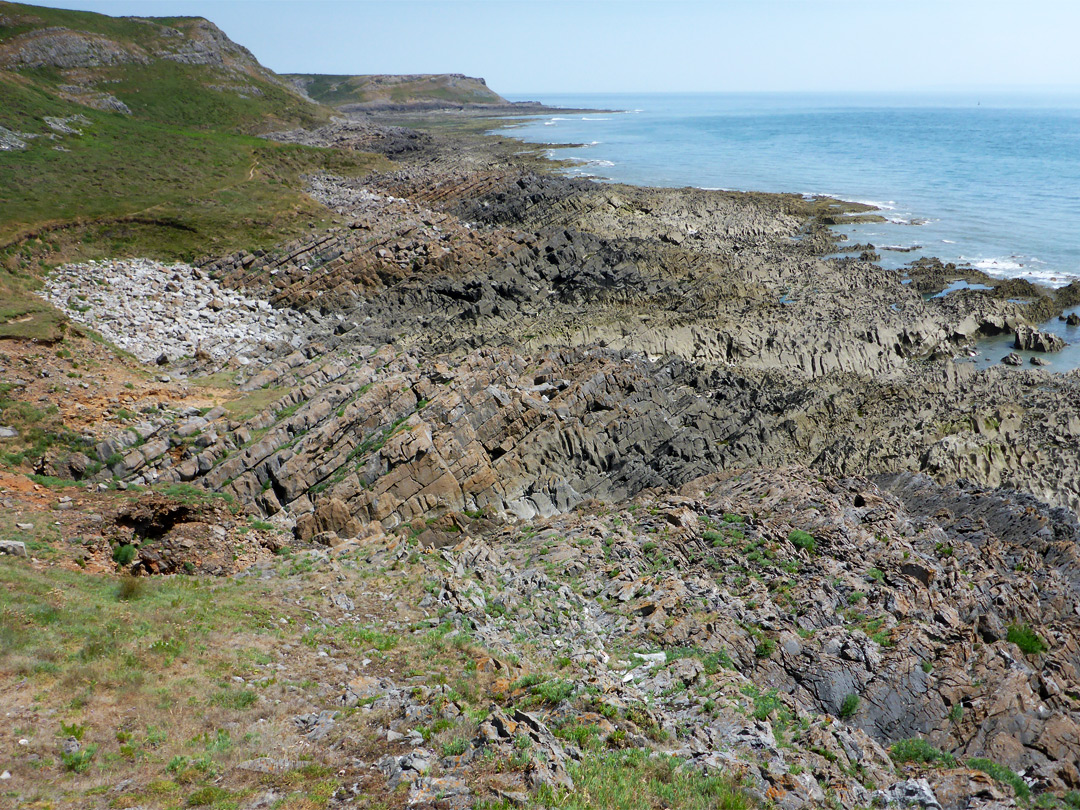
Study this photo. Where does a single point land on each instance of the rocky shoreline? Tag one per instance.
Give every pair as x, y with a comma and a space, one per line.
752, 495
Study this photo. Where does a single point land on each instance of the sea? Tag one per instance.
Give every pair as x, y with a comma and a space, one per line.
990, 179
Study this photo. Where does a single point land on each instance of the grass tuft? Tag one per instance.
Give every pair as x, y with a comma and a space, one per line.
1029, 642
1001, 774
920, 751
803, 540
630, 780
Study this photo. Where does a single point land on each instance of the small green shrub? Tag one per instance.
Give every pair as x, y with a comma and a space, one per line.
124, 555
72, 730
876, 574
766, 703
849, 706
1001, 774
765, 648
714, 537
927, 667
554, 692
79, 761
1029, 642
919, 750
455, 748
803, 540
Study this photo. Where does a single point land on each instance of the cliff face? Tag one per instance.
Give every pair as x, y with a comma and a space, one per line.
407, 91
109, 63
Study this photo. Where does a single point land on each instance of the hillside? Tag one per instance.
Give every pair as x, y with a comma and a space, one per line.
181, 71
135, 136
418, 90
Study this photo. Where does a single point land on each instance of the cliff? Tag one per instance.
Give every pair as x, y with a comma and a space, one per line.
409, 91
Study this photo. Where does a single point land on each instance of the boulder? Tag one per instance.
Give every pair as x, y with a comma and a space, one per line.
13, 547
1031, 339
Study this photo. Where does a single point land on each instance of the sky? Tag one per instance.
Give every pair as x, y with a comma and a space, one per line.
553, 46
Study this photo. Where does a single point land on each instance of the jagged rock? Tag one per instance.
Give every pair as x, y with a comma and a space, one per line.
548, 767
316, 725
408, 768
909, 793
1031, 339
960, 789
1012, 359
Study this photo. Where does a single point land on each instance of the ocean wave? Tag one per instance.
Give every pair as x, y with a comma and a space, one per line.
1000, 264
1010, 267
586, 118
948, 241
884, 206
588, 161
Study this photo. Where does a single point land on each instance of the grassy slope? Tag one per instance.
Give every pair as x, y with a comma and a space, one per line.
180, 177
338, 90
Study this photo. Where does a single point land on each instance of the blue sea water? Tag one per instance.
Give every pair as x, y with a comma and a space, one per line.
992, 180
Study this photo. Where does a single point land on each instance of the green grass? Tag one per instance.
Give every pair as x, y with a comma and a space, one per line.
1001, 774
920, 751
849, 706
803, 540
159, 188
192, 495
181, 176
55, 621
630, 780
251, 404
1029, 642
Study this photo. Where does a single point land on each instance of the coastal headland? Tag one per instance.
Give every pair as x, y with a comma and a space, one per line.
362, 457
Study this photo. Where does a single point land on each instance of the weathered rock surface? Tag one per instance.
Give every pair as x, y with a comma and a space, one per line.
1030, 339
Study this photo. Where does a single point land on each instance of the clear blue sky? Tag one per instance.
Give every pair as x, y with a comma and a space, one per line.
552, 46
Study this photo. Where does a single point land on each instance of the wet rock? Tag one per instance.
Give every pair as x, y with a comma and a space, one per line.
1031, 339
